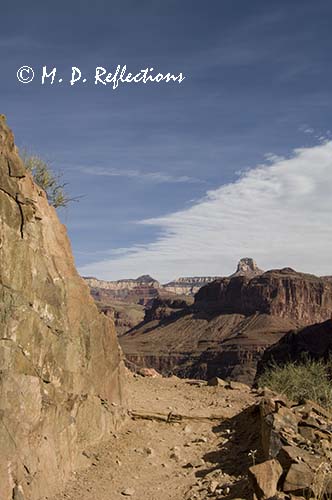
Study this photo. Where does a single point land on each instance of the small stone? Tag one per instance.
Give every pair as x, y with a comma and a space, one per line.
195, 463
213, 486
128, 492
217, 382
18, 493
202, 439
175, 455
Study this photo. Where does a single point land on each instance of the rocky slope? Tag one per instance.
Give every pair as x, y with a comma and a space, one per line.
60, 364
231, 323
314, 341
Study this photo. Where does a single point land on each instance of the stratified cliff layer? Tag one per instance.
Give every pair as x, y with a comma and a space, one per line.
60, 364
284, 293
231, 323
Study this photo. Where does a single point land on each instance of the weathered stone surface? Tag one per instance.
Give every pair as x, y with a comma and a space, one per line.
289, 455
264, 478
284, 293
305, 464
298, 479
60, 365
276, 423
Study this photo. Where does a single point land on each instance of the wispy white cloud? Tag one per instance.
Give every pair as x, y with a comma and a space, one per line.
278, 212
154, 177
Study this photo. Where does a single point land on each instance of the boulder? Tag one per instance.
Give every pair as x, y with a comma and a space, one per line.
264, 478
299, 479
278, 424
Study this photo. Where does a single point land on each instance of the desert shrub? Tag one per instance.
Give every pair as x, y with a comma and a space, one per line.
50, 182
308, 379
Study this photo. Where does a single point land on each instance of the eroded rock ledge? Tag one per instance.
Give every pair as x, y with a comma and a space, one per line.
61, 370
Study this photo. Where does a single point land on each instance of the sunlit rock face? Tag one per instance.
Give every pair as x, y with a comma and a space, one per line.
60, 365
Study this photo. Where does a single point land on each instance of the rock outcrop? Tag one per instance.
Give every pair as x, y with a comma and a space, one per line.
313, 341
60, 364
125, 315
295, 455
189, 285
247, 267
144, 288
232, 322
137, 291
285, 293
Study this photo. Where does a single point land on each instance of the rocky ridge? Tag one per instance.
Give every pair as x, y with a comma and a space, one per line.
61, 369
119, 299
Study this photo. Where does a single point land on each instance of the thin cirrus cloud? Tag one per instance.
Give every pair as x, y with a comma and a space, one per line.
153, 177
278, 213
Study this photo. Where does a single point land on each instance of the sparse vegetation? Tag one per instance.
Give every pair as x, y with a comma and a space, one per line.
305, 380
46, 179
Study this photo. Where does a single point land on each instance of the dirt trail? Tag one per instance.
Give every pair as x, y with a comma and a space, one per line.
183, 442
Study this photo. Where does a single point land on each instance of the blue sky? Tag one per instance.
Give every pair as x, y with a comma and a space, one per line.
148, 159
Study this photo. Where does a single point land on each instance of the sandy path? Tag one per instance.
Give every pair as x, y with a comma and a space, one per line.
159, 460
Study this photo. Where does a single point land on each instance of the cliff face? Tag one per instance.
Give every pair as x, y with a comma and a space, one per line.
60, 364
231, 323
134, 291
188, 286
284, 293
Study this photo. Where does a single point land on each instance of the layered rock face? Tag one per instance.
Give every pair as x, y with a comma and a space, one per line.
144, 289
139, 290
60, 365
231, 323
188, 286
284, 293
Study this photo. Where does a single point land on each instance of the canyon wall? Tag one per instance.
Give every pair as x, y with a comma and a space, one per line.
231, 323
285, 293
61, 370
